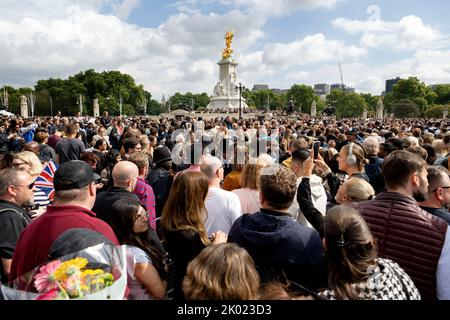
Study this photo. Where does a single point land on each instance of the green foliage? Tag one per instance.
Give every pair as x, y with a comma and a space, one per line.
371, 101
350, 105
303, 96
443, 94
416, 91
405, 108
188, 100
54, 95
260, 99
437, 111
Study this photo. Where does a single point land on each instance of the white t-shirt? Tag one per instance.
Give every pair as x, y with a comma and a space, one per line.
223, 209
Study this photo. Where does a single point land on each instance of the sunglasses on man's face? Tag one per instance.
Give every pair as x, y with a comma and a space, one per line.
30, 186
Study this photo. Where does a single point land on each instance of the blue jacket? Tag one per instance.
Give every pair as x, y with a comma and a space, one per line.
281, 248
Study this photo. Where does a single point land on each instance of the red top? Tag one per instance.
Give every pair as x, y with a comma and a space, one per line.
37, 238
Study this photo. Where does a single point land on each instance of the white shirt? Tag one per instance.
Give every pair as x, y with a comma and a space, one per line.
223, 209
319, 200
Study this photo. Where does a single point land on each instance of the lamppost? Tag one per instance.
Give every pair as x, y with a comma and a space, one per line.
240, 88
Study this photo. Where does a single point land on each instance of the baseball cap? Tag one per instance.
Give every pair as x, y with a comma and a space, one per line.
73, 175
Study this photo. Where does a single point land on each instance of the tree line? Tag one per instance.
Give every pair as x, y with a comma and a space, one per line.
409, 98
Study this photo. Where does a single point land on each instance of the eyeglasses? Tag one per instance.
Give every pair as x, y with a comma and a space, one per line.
442, 188
30, 186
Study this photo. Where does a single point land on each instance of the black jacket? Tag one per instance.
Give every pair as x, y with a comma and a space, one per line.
161, 182
281, 248
103, 206
105, 200
13, 220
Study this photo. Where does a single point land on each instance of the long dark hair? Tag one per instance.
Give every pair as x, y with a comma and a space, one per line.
123, 216
350, 250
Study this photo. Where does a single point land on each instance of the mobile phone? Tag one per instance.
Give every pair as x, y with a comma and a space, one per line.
316, 147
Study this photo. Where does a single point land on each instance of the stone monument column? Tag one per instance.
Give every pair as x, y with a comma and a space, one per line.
96, 108
313, 109
380, 109
23, 107
226, 94
364, 116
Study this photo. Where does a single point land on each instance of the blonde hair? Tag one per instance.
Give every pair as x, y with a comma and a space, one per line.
249, 177
359, 190
221, 272
34, 164
358, 152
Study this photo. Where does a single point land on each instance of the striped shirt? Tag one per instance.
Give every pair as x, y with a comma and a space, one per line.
145, 194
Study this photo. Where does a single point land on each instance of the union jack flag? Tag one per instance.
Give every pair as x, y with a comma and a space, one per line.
44, 181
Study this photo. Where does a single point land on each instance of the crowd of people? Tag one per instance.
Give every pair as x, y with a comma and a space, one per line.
281, 208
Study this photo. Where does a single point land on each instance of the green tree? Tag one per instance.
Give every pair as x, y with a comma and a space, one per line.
350, 105
405, 108
303, 96
371, 101
334, 98
437, 111
443, 94
416, 91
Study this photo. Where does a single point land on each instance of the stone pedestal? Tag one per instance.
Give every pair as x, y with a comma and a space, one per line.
364, 115
96, 108
380, 109
23, 107
313, 109
445, 114
226, 94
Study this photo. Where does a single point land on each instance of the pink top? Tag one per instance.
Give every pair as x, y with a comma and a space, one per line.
249, 200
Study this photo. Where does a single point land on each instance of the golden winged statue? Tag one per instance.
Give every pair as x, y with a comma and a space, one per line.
228, 52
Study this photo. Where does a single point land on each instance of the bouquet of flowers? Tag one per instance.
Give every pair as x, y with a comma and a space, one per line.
95, 273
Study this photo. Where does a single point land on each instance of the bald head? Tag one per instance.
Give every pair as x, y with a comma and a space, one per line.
125, 174
32, 146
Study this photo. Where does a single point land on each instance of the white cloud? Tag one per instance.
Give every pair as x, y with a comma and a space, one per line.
283, 7
45, 39
410, 33
309, 50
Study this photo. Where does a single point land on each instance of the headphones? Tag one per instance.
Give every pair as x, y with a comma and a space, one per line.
351, 158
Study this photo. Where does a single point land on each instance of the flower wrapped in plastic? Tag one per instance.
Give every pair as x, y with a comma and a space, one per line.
95, 273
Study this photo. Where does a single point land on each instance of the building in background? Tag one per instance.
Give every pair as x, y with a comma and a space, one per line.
390, 84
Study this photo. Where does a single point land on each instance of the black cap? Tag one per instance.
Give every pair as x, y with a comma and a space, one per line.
161, 154
73, 175
76, 239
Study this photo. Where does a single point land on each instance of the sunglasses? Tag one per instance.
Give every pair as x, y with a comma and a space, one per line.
30, 186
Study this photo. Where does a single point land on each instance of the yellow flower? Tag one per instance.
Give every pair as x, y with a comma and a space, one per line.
69, 268
91, 273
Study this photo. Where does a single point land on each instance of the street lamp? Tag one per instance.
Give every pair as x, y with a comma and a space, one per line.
240, 88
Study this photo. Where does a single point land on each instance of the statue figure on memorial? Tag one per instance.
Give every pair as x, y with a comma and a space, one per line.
219, 90
23, 100
380, 109
228, 52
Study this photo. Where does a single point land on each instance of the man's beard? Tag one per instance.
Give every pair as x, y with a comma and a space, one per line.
421, 194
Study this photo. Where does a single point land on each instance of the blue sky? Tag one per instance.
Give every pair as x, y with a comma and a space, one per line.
173, 46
